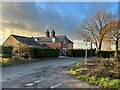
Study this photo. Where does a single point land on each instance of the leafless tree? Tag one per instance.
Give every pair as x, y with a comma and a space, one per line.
96, 26
114, 35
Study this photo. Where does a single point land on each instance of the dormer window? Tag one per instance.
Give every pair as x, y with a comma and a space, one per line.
53, 39
64, 41
36, 39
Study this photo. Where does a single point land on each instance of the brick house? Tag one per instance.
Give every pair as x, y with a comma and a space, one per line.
21, 44
53, 41
17, 42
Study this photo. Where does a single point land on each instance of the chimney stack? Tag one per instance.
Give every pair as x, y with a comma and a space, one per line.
47, 33
53, 33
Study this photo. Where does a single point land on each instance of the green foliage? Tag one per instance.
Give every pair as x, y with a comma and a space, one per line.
101, 82
76, 66
44, 53
23, 52
7, 52
0, 49
15, 62
79, 52
27, 55
103, 73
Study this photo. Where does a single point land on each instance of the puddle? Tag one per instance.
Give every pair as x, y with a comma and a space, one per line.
19, 74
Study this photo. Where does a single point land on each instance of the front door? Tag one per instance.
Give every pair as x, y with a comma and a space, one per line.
63, 52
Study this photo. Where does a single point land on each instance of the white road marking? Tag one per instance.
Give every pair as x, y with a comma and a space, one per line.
55, 85
35, 82
29, 84
38, 81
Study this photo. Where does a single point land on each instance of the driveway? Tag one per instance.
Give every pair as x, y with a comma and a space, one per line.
50, 73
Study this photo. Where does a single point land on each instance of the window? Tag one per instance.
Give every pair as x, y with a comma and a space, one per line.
64, 41
36, 39
53, 39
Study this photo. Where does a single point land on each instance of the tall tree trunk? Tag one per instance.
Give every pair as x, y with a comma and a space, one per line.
116, 49
100, 45
91, 49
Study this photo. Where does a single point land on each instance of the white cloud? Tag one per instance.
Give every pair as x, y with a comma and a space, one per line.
33, 17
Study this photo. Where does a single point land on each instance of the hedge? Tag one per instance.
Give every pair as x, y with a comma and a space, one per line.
44, 53
30, 52
79, 52
106, 54
0, 49
7, 52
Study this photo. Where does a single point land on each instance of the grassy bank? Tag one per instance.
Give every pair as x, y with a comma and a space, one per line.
9, 62
103, 73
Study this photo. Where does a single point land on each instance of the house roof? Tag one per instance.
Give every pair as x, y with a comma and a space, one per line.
28, 41
49, 39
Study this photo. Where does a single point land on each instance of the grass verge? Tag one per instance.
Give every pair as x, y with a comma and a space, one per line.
103, 73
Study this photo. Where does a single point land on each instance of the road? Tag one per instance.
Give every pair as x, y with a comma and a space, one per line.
42, 74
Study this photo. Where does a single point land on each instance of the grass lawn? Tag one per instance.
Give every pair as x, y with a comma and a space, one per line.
103, 73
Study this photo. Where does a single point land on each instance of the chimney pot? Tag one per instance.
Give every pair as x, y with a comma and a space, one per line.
53, 33
47, 33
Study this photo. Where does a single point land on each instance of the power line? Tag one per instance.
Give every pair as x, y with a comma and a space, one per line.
64, 8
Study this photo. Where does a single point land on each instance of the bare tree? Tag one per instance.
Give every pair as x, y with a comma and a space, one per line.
114, 35
96, 26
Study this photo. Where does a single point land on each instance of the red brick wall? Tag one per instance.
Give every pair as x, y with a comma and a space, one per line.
12, 41
53, 45
58, 45
70, 46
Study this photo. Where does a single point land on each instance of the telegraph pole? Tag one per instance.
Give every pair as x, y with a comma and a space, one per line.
91, 48
86, 49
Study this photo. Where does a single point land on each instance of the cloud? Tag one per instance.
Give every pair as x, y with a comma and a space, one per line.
33, 17
7, 31
21, 15
15, 25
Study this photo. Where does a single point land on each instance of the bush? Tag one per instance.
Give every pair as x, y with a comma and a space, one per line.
44, 53
7, 52
0, 49
105, 74
24, 55
79, 52
101, 82
14, 62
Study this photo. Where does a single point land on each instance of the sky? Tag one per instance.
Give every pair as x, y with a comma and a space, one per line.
34, 18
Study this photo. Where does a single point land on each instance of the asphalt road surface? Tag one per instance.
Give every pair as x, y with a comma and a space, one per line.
42, 74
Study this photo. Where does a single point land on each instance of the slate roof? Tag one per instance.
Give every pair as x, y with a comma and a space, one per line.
49, 39
28, 41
